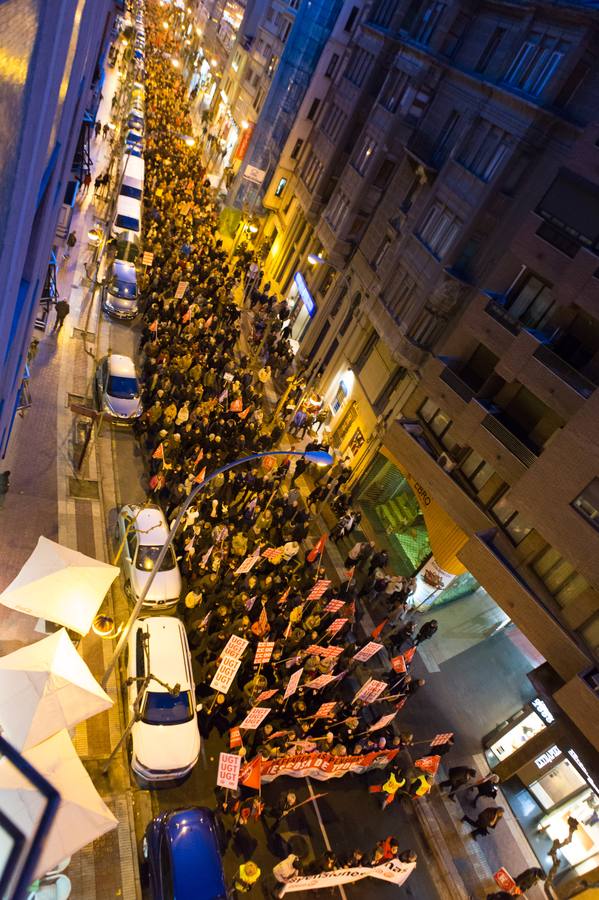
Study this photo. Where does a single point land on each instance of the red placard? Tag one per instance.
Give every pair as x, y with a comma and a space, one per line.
293, 683
441, 739
263, 652
505, 880
235, 739
265, 695
330, 652
334, 606
398, 664
228, 771
235, 646
428, 764
320, 588
181, 288
325, 710
335, 626
368, 650
255, 717
318, 683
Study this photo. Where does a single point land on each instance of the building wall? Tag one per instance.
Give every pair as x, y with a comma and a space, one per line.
49, 55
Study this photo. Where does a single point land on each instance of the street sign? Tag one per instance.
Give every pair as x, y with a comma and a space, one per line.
251, 173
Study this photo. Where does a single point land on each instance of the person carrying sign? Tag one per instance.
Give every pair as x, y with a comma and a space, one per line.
247, 876
395, 782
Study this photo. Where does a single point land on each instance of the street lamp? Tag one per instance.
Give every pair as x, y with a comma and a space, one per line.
320, 457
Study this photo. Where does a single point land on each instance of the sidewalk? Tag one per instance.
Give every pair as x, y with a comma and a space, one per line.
47, 496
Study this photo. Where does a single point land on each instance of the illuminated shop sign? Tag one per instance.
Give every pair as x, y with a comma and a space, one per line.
548, 756
583, 769
306, 296
543, 710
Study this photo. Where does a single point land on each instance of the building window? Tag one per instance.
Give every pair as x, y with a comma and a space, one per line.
258, 100
294, 4
369, 345
511, 520
531, 301
284, 30
456, 35
385, 395
402, 300
351, 18
333, 121
426, 22
559, 576
384, 13
438, 421
358, 66
364, 155
337, 210
483, 150
381, 253
587, 503
330, 69
571, 207
447, 137
296, 148
313, 108
536, 63
280, 187
312, 171
384, 174
439, 230
393, 90
490, 50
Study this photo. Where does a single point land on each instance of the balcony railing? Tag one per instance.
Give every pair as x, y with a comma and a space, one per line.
509, 440
454, 381
564, 370
501, 315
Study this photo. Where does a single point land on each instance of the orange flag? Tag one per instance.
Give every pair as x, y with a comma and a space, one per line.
244, 412
158, 452
208, 322
186, 317
198, 458
377, 631
236, 405
317, 549
154, 326
200, 476
409, 655
250, 774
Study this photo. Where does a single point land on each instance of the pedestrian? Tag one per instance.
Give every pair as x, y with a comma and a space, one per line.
62, 311
71, 241
389, 849
420, 786
106, 126
325, 863
283, 807
288, 868
458, 776
247, 876
426, 631
358, 554
98, 128
486, 788
488, 818
4, 485
378, 561
87, 180
391, 786
527, 879
354, 860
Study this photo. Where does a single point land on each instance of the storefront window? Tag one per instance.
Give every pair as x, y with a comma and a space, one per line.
517, 736
583, 850
560, 782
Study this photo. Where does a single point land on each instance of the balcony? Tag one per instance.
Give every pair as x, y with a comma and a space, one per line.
564, 370
504, 431
499, 313
422, 150
453, 380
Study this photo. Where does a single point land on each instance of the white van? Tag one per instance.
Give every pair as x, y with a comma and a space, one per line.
133, 178
127, 216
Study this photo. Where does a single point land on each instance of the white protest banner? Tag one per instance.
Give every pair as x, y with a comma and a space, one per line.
228, 770
255, 717
224, 675
382, 722
247, 565
235, 646
368, 650
323, 766
370, 690
441, 739
394, 872
266, 695
319, 589
181, 288
325, 710
292, 684
318, 683
334, 606
263, 652
335, 626
147, 258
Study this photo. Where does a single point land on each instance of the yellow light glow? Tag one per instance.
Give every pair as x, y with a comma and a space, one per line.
175, 63
190, 142
165, 26
214, 62
252, 229
245, 125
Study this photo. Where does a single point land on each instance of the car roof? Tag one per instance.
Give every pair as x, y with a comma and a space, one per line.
122, 366
151, 526
128, 237
167, 660
194, 849
125, 271
128, 206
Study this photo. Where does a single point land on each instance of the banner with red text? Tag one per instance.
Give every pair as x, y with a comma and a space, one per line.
323, 766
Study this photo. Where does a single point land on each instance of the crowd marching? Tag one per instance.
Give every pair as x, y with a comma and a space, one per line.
254, 593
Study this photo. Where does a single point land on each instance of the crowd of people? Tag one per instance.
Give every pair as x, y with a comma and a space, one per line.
242, 545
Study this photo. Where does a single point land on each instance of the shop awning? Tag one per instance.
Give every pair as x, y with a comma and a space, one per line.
445, 537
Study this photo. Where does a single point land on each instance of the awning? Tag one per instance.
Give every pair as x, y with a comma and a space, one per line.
445, 537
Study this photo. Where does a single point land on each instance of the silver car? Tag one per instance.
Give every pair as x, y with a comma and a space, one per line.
117, 388
119, 291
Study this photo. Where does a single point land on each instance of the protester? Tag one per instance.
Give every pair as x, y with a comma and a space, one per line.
247, 876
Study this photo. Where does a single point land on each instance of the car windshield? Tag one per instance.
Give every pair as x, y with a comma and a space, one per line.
127, 223
162, 708
128, 191
148, 555
125, 290
122, 388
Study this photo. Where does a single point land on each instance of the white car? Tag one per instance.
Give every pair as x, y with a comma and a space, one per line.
144, 531
165, 738
128, 213
117, 388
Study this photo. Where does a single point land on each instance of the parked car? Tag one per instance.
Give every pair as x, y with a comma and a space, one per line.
165, 739
117, 387
127, 216
125, 246
182, 851
119, 290
145, 530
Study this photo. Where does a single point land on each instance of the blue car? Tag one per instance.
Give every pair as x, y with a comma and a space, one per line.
182, 851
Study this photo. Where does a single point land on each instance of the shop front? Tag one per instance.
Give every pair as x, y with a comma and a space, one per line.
302, 308
545, 768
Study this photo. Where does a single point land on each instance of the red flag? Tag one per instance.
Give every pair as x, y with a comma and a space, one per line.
317, 549
198, 458
154, 326
208, 322
243, 414
250, 774
409, 655
398, 664
158, 452
187, 316
428, 764
236, 405
235, 739
200, 476
377, 631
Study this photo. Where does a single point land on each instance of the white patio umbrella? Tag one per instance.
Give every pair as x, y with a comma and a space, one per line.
60, 584
82, 815
44, 688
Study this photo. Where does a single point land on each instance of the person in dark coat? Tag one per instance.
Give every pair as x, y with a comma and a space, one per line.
488, 818
486, 788
426, 631
527, 879
458, 776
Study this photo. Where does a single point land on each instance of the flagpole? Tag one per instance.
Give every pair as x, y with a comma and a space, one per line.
317, 456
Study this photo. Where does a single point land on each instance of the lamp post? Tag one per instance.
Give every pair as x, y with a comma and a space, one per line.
316, 456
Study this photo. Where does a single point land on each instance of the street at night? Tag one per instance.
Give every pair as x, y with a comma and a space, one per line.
299, 477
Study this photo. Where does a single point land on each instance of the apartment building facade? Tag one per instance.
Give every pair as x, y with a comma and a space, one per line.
449, 191
51, 64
